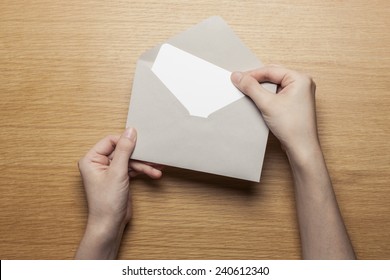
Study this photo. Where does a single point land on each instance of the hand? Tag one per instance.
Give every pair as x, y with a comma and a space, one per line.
105, 171
290, 114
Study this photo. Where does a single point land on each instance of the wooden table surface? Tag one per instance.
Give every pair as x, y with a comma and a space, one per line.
66, 71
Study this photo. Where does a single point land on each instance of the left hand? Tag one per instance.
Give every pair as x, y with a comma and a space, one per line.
106, 171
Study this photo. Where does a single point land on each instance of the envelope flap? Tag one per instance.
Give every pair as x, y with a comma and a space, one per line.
214, 34
204, 38
150, 55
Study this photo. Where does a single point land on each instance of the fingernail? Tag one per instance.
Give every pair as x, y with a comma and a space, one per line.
236, 77
130, 133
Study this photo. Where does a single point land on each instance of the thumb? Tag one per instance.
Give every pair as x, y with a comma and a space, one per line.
124, 148
248, 85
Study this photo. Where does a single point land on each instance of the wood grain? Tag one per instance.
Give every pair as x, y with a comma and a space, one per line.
66, 72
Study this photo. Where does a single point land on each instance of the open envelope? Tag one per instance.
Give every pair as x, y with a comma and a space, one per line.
230, 141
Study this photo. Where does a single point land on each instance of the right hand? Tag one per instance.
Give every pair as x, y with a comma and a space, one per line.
290, 114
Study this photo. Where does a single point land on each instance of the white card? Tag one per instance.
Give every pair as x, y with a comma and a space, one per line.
200, 86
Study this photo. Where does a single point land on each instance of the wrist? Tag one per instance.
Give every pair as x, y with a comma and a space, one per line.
305, 162
104, 228
303, 155
309, 173
101, 240
105, 233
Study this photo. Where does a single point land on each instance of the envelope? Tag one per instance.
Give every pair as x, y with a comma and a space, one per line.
229, 141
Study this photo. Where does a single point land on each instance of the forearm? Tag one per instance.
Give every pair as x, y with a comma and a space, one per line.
323, 233
100, 241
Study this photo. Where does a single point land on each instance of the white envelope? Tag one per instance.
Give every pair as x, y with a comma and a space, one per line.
227, 139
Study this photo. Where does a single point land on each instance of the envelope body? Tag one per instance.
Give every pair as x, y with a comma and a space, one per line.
230, 142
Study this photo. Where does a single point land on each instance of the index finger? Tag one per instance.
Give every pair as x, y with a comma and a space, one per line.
274, 74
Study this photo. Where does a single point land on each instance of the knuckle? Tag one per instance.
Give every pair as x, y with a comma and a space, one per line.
308, 80
125, 145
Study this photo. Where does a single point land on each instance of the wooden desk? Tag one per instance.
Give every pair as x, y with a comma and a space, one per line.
66, 71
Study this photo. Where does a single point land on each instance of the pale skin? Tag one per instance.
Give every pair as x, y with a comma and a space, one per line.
107, 171
291, 116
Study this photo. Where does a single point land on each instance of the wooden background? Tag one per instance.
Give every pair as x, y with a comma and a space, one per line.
66, 71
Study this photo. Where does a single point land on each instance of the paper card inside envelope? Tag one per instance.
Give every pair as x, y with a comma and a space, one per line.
200, 86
